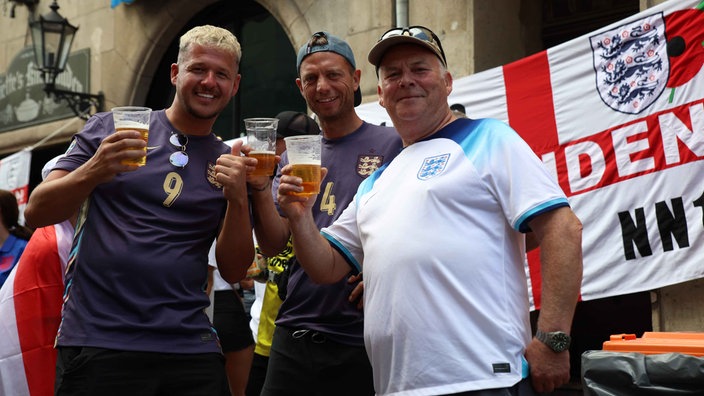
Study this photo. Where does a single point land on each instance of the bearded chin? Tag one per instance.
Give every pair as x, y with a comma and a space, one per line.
202, 115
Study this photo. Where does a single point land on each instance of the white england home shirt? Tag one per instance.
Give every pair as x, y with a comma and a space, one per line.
438, 234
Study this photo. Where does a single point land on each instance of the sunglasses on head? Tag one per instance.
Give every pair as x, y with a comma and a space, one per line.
419, 32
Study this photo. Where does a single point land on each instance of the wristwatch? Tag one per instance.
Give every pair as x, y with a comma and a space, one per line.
558, 341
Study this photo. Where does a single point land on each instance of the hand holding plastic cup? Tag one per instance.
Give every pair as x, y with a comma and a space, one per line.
304, 156
133, 118
261, 137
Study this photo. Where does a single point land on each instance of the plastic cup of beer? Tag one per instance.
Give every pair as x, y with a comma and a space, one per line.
261, 137
304, 156
133, 118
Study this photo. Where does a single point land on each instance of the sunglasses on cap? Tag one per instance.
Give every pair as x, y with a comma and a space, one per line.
419, 32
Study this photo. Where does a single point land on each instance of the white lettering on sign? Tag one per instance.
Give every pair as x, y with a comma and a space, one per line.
652, 144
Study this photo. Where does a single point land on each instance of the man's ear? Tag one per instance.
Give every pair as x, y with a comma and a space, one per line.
174, 73
236, 85
299, 84
448, 82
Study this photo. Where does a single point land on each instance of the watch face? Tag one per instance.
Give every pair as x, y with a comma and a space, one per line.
560, 342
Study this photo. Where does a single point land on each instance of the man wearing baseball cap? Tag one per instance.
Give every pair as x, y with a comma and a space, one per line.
439, 233
318, 345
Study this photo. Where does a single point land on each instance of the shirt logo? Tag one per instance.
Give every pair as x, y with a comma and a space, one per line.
500, 368
433, 166
210, 175
367, 164
631, 64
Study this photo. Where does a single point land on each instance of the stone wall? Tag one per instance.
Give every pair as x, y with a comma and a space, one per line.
127, 42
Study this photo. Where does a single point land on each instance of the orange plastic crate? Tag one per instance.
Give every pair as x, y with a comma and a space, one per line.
658, 342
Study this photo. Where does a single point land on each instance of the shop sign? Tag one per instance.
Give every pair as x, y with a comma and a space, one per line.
23, 101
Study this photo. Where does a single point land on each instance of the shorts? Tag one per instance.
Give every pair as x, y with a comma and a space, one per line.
231, 321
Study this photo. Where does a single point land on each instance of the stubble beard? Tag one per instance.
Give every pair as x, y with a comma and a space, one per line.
201, 114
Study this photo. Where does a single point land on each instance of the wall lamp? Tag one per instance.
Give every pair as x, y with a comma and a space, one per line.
52, 37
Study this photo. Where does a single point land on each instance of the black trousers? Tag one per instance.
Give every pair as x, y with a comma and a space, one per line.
307, 363
83, 371
257, 375
523, 388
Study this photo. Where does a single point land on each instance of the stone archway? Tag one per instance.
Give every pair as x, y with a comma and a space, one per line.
267, 66
129, 67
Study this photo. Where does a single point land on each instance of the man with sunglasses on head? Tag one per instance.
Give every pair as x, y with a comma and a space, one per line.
318, 346
133, 318
439, 233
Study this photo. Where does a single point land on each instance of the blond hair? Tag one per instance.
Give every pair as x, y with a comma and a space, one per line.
209, 36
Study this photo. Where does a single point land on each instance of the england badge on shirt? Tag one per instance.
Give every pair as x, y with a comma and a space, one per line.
367, 164
433, 166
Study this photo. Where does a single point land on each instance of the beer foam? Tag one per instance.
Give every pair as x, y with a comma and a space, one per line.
129, 124
303, 161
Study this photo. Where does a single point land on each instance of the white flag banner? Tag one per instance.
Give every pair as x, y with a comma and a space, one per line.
617, 115
14, 176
